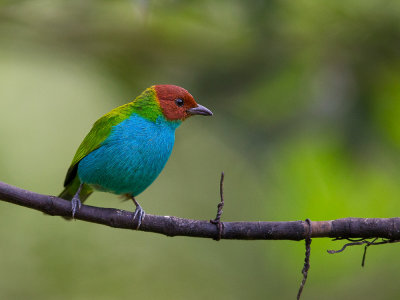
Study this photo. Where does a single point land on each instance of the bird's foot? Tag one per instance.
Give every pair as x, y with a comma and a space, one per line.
139, 213
76, 205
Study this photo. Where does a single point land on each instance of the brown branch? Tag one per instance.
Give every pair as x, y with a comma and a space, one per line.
173, 226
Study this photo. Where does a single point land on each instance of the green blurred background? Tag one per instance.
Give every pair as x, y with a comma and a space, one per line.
306, 102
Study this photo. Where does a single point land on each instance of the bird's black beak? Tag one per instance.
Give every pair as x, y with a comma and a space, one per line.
200, 110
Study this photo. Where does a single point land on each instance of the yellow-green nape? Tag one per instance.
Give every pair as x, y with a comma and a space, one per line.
147, 105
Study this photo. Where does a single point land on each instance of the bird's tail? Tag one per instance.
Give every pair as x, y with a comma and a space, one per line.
70, 190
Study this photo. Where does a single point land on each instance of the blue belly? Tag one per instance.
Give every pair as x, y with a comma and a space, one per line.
131, 158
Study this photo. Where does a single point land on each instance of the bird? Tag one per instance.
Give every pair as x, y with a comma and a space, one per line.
127, 148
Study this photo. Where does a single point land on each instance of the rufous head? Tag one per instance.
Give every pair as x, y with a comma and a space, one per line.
177, 104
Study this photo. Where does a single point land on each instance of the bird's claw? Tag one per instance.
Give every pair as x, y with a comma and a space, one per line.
76, 205
139, 213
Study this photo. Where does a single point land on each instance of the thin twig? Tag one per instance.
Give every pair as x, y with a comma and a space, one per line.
217, 220
306, 259
366, 243
347, 245
365, 251
349, 239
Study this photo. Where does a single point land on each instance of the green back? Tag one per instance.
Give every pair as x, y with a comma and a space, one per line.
145, 105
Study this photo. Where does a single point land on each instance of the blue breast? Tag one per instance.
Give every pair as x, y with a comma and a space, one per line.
131, 158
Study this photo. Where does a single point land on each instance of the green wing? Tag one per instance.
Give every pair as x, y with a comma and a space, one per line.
97, 135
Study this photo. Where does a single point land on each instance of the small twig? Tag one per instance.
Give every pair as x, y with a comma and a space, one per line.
363, 242
365, 251
347, 245
306, 259
217, 220
349, 239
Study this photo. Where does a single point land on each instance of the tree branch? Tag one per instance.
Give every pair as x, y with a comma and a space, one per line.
173, 226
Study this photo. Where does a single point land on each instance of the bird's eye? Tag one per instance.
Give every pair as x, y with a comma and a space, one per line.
179, 102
